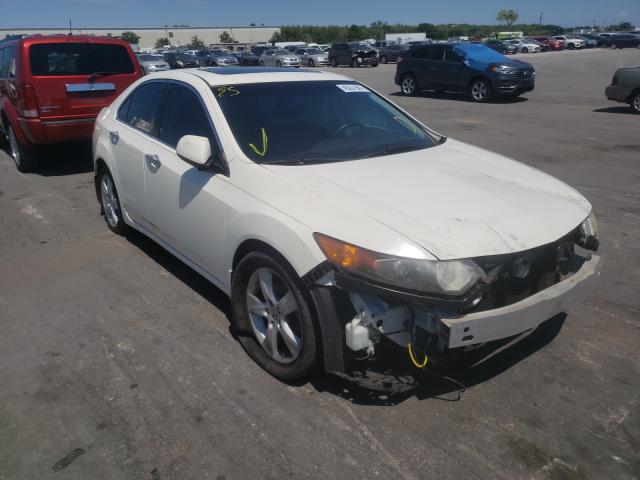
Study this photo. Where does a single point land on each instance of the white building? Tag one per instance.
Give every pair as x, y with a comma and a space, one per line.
178, 36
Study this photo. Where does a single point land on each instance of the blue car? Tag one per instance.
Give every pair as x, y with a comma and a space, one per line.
467, 67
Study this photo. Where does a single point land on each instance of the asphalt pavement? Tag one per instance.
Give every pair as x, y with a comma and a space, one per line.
116, 361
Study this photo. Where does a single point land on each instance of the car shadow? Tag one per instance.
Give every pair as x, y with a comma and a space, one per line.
446, 380
192, 279
64, 159
459, 97
619, 109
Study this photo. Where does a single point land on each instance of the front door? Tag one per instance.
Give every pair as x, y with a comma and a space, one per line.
186, 205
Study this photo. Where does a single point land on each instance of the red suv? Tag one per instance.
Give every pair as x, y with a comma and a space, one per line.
553, 43
52, 88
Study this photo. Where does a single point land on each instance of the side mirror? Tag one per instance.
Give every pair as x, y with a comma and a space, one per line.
194, 150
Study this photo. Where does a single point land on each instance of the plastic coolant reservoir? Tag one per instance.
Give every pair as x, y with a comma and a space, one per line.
357, 336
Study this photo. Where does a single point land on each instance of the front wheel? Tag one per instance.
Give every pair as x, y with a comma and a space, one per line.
525, 50
311, 63
635, 102
24, 157
480, 90
354, 63
571, 46
383, 59
333, 62
408, 84
110, 203
261, 63
278, 64
272, 318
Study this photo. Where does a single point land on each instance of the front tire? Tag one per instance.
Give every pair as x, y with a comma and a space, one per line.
110, 203
525, 50
635, 102
24, 157
480, 90
571, 46
354, 63
272, 317
278, 64
408, 84
261, 63
311, 63
383, 59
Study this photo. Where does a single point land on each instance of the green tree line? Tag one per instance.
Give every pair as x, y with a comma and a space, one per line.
378, 30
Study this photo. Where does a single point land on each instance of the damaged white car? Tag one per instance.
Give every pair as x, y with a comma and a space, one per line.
334, 220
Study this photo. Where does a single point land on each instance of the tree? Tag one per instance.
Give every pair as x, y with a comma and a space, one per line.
130, 37
226, 38
196, 43
162, 42
507, 16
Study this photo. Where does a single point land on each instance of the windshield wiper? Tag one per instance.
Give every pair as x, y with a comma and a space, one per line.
95, 75
393, 150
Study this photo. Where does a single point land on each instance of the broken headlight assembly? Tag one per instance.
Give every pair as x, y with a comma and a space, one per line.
588, 233
446, 277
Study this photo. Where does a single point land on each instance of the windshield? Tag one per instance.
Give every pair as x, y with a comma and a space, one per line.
147, 58
360, 46
482, 53
78, 59
282, 51
313, 51
221, 53
316, 121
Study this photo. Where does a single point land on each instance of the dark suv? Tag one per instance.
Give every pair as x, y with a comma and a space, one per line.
463, 67
356, 54
388, 52
53, 86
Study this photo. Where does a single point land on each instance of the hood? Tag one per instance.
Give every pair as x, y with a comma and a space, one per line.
453, 200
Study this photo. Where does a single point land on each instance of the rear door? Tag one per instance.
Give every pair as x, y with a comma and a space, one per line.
75, 79
428, 64
131, 139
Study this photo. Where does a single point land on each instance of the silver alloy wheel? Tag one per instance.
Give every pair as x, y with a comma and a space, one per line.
15, 148
408, 85
109, 200
636, 103
479, 90
274, 315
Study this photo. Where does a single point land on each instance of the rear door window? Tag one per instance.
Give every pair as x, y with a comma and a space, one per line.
8, 65
434, 52
143, 106
183, 115
50, 59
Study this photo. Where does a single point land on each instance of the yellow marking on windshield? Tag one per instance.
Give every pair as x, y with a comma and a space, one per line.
231, 91
264, 144
406, 124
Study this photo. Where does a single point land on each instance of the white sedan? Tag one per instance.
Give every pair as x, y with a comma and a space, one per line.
335, 220
524, 46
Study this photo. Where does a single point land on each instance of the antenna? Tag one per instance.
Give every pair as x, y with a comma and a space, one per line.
70, 27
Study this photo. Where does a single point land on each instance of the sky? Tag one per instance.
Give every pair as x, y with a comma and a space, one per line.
154, 13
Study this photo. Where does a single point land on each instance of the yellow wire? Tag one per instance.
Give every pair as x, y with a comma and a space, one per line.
414, 361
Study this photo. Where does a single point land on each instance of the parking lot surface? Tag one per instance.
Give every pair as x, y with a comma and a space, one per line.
114, 349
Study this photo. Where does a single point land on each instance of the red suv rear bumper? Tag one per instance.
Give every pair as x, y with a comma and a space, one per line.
55, 130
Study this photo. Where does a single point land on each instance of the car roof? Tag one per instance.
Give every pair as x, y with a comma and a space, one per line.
244, 75
63, 38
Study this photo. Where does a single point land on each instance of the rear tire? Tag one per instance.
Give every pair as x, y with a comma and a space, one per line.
383, 59
408, 84
284, 344
571, 46
278, 64
525, 50
25, 157
354, 63
480, 90
333, 62
311, 63
261, 63
110, 202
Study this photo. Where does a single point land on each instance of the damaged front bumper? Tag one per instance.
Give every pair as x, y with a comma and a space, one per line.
354, 316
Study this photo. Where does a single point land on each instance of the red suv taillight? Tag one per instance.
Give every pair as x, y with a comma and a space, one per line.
29, 102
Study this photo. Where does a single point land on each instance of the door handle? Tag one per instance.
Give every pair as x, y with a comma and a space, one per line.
114, 137
153, 161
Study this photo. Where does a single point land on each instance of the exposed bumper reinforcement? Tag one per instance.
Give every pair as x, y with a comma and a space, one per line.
525, 315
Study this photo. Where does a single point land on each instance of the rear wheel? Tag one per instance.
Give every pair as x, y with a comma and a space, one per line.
408, 84
333, 62
525, 50
261, 63
25, 157
480, 90
110, 203
278, 63
354, 63
383, 59
271, 315
312, 63
635, 102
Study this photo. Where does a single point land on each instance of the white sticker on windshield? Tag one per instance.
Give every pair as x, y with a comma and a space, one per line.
350, 88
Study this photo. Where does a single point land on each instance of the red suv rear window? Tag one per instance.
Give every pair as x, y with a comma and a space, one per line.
79, 59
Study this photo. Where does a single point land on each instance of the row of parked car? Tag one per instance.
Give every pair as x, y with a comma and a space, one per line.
545, 43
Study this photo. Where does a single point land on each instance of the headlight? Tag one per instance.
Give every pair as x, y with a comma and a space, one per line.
501, 69
589, 233
448, 277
